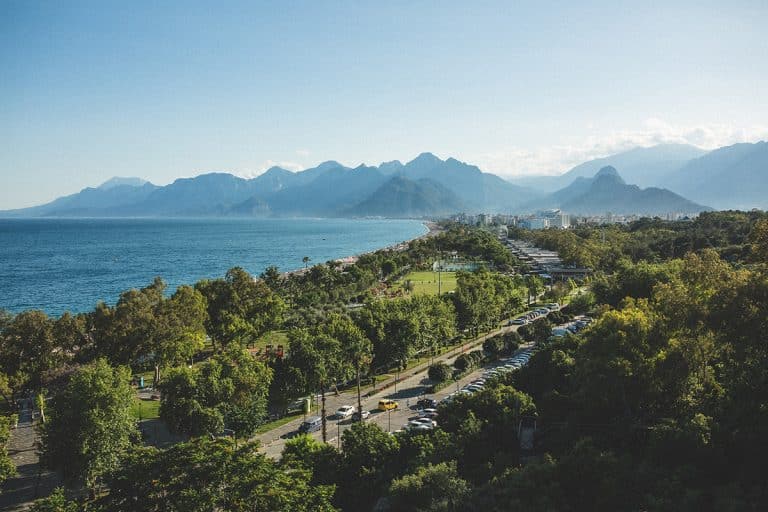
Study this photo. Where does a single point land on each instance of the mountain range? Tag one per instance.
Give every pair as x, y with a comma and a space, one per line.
677, 178
606, 192
425, 186
731, 177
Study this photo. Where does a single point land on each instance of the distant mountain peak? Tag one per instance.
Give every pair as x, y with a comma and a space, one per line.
118, 181
609, 173
329, 164
425, 158
275, 170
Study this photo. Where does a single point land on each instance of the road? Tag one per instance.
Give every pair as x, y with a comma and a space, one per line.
407, 392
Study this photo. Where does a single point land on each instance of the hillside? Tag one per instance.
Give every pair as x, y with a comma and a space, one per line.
608, 192
732, 177
642, 166
401, 197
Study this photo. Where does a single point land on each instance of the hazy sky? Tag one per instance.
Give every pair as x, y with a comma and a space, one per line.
160, 91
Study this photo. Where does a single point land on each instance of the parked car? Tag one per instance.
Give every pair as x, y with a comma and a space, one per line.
423, 421
311, 424
426, 403
345, 411
359, 416
425, 413
387, 404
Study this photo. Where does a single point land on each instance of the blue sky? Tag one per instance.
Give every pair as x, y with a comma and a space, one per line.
160, 90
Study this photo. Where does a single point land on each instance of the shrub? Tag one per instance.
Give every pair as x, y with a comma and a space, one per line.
440, 372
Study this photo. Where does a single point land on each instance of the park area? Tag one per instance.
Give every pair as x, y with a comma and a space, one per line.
427, 282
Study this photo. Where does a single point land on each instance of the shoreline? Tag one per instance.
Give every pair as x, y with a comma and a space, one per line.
432, 230
115, 274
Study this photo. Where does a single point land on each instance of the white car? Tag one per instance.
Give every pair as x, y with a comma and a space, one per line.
423, 421
427, 413
345, 411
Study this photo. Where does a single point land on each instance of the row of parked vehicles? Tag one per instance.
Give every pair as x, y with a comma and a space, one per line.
536, 313
502, 367
578, 323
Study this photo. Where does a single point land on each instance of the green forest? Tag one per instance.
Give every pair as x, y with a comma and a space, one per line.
661, 404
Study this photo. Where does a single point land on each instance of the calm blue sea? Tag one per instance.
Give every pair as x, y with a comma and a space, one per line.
62, 265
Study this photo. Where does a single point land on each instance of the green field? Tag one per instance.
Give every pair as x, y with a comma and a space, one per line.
427, 282
146, 409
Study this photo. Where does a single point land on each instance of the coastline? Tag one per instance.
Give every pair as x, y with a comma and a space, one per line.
432, 230
60, 265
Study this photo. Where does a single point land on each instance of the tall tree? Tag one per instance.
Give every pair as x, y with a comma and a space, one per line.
355, 348
227, 391
317, 363
28, 349
240, 308
204, 475
90, 425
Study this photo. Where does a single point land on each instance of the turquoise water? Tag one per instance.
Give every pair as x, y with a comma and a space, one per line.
59, 265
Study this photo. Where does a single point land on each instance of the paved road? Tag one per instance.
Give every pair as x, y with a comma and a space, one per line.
408, 390
32, 481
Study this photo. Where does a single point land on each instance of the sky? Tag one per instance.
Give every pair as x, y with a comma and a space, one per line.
162, 90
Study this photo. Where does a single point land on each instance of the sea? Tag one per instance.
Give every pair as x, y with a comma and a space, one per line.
59, 265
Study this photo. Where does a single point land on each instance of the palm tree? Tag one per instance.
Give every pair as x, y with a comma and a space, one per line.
306, 261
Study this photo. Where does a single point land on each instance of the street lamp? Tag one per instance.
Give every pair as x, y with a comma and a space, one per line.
389, 420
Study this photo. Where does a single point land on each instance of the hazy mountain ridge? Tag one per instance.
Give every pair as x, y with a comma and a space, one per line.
730, 177
330, 189
642, 166
402, 197
608, 192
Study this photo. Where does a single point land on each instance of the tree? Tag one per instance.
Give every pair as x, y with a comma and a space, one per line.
227, 391
356, 349
27, 350
431, 488
439, 372
317, 362
306, 260
369, 463
7, 467
180, 328
204, 475
304, 452
240, 308
56, 502
388, 267
128, 332
535, 286
90, 424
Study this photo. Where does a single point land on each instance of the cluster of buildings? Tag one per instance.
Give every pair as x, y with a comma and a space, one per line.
555, 218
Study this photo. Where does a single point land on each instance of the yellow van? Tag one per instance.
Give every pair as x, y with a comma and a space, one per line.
387, 404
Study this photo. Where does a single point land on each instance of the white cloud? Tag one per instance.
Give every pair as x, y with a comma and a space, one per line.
303, 152
559, 158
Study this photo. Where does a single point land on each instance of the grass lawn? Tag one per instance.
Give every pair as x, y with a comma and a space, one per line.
277, 423
273, 338
427, 282
150, 409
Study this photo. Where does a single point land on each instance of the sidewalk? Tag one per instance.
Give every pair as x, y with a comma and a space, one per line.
33, 481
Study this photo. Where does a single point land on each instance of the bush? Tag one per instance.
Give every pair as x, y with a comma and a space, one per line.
512, 340
439, 372
469, 360
582, 303
495, 346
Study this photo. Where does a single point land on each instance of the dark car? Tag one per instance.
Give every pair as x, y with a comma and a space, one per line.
426, 403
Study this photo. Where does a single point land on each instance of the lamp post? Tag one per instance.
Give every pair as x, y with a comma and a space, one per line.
389, 420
